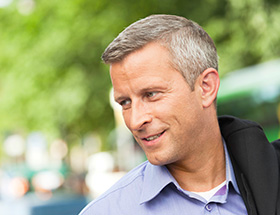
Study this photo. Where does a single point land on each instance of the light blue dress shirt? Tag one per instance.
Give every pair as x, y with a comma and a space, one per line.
152, 190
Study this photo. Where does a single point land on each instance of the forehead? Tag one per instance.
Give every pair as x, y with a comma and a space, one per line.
126, 84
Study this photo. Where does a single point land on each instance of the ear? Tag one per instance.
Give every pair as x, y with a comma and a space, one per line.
209, 85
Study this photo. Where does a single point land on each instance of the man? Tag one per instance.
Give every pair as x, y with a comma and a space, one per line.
164, 74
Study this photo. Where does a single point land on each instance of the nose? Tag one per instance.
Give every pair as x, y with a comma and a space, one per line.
139, 116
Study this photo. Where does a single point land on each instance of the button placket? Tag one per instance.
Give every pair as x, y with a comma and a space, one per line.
208, 207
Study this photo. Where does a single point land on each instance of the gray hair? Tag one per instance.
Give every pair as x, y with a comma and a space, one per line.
192, 50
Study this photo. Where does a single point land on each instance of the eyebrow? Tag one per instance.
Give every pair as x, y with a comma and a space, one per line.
144, 90
153, 88
118, 99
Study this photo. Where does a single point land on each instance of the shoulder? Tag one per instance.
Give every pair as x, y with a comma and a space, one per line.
230, 125
276, 145
120, 193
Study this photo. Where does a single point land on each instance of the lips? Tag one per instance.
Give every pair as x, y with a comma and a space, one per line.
153, 137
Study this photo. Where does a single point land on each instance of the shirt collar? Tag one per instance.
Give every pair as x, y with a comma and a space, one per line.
156, 178
230, 177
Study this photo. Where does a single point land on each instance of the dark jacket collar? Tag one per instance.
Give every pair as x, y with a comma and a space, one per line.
255, 164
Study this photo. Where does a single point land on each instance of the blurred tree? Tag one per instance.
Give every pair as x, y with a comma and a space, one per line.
52, 78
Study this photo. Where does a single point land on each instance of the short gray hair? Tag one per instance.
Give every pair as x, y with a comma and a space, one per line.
192, 50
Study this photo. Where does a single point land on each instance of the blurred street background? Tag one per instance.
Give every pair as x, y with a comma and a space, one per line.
62, 138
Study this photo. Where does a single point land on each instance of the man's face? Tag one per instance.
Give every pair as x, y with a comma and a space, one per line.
159, 108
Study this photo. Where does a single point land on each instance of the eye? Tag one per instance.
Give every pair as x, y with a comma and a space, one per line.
151, 94
125, 103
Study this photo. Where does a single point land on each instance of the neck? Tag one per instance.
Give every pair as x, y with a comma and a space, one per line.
205, 169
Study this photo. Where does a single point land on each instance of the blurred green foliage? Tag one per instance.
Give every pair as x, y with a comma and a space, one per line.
51, 75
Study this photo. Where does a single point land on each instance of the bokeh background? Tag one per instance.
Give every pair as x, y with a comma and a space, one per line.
62, 139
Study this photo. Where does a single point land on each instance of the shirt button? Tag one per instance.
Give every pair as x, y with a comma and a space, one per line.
208, 208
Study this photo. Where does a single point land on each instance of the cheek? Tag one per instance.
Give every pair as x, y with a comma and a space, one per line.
180, 107
185, 111
126, 118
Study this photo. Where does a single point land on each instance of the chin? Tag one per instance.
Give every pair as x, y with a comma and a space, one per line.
157, 161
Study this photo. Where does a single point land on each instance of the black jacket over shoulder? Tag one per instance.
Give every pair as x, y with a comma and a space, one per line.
256, 164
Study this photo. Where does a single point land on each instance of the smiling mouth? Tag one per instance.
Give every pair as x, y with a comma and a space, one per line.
153, 137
